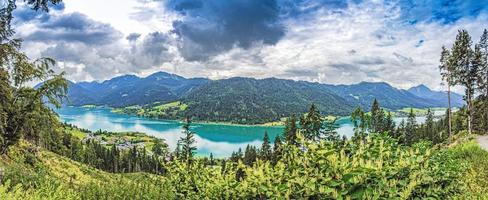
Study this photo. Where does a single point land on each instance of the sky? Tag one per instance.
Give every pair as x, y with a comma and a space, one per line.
327, 41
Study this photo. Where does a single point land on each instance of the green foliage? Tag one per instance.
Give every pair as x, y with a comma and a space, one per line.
22, 109
186, 142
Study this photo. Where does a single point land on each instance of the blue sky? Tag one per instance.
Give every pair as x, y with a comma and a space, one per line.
328, 41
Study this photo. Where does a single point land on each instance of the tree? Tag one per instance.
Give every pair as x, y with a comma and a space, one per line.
311, 124
187, 142
266, 152
389, 124
159, 148
446, 74
277, 151
360, 122
377, 116
429, 129
23, 112
483, 75
464, 73
250, 155
411, 128
291, 130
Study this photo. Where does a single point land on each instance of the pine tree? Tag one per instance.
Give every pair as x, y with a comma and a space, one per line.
464, 73
277, 151
266, 152
377, 116
401, 133
311, 124
360, 123
291, 130
411, 128
250, 155
187, 144
446, 73
429, 127
389, 124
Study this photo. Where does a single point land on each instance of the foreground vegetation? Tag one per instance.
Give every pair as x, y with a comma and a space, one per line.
377, 167
42, 159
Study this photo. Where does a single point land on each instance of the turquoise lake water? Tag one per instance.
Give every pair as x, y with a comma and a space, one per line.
219, 139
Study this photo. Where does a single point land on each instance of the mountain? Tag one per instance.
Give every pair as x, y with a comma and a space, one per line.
132, 90
363, 94
423, 91
248, 100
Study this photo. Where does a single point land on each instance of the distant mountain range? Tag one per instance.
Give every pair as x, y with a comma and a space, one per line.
249, 99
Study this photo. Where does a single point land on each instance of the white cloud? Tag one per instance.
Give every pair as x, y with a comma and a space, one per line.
362, 42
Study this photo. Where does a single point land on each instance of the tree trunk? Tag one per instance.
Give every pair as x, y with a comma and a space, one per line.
449, 117
469, 112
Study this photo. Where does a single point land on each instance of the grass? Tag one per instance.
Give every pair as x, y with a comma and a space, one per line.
52, 176
475, 159
76, 132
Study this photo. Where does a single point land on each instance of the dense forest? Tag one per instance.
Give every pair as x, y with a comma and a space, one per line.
41, 159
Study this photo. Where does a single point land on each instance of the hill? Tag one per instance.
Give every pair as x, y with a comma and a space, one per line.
248, 100
423, 91
244, 100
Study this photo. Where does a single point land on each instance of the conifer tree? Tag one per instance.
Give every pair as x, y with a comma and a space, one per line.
377, 116
429, 126
311, 124
411, 128
266, 151
360, 123
464, 73
483, 76
447, 73
187, 144
277, 152
291, 130
250, 155
389, 124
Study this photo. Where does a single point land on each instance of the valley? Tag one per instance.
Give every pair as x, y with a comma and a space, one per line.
244, 100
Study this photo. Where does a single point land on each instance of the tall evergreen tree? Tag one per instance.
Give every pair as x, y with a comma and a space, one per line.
429, 129
464, 73
389, 124
187, 144
250, 155
291, 130
266, 151
411, 128
277, 151
311, 124
377, 117
360, 122
483, 76
446, 73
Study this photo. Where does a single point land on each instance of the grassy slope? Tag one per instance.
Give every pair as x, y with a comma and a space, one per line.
56, 177
476, 161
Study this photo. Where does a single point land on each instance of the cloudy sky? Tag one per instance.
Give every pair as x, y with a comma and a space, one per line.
328, 41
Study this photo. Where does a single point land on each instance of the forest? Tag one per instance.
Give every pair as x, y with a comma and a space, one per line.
438, 159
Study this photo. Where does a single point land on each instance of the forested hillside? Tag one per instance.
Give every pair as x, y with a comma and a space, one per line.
246, 100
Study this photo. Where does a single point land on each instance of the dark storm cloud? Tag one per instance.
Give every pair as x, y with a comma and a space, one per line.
74, 27
211, 27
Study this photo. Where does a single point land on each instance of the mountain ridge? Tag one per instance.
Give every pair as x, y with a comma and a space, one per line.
237, 98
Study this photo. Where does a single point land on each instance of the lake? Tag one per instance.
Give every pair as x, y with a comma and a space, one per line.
219, 139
